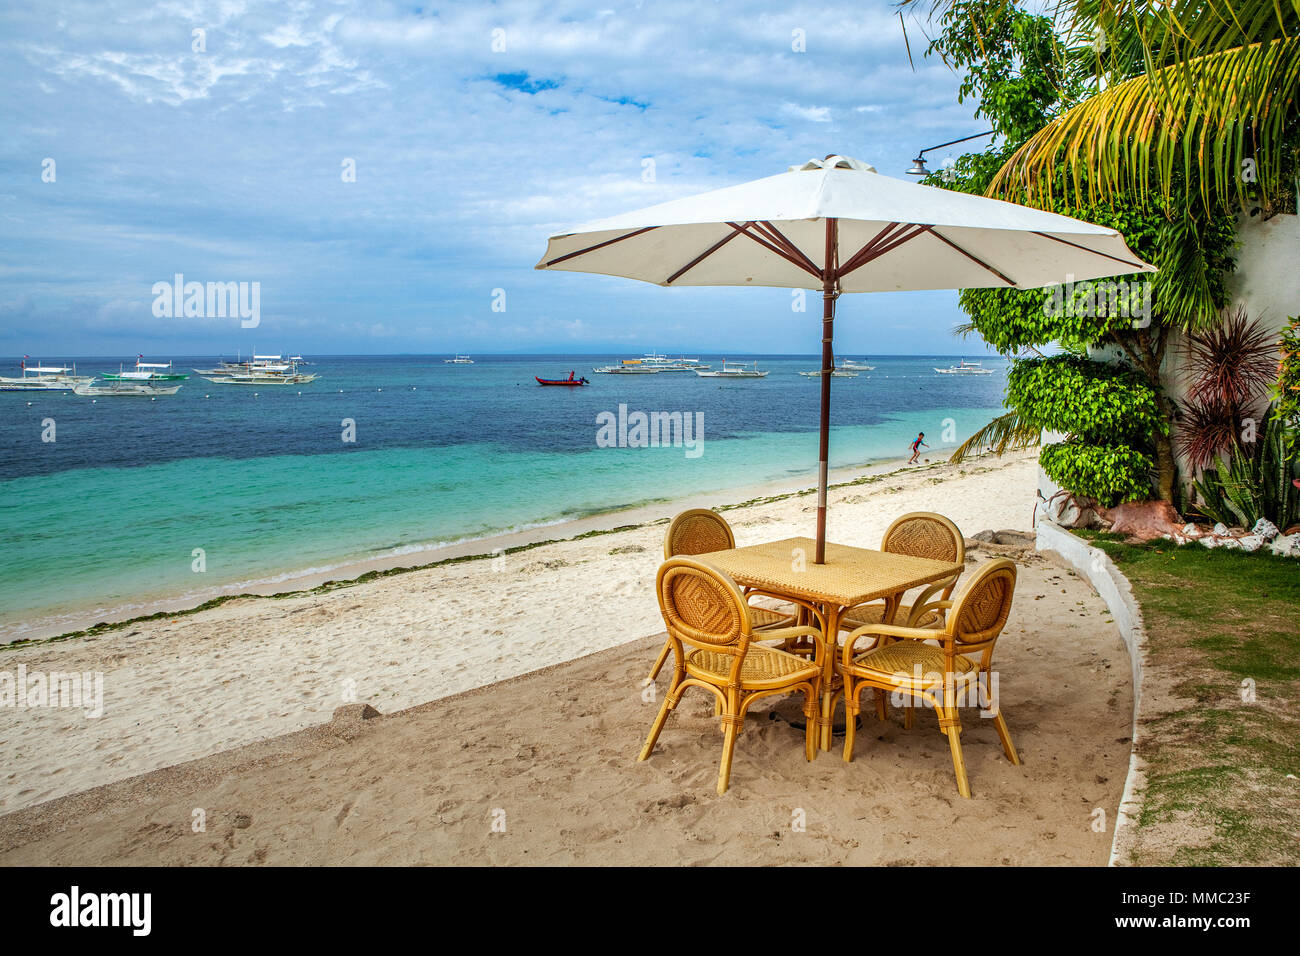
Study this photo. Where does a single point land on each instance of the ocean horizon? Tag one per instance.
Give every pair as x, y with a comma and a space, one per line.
137, 501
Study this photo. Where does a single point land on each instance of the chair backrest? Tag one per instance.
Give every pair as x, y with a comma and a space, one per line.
980, 612
698, 531
702, 606
924, 534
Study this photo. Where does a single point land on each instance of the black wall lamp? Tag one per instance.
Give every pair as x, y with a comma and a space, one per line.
918, 164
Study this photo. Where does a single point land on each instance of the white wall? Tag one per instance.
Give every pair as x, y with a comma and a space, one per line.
1267, 280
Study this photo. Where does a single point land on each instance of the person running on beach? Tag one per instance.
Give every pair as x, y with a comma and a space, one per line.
916, 448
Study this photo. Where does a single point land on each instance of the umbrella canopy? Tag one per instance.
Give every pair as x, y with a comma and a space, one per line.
839, 226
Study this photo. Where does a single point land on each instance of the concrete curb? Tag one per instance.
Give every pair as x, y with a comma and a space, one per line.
1094, 565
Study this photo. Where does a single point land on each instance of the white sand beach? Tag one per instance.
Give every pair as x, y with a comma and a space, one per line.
181, 688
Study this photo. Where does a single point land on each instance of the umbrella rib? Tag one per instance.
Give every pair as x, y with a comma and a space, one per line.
780, 238
863, 255
973, 258
599, 245
735, 231
771, 247
1048, 235
876, 248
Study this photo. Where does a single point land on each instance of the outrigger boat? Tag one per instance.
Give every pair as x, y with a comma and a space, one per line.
44, 378
651, 363
571, 382
458, 360
261, 370
856, 366
145, 372
663, 363
734, 370
629, 367
965, 368
840, 372
118, 389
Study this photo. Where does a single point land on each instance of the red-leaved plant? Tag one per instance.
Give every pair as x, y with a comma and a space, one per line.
1230, 368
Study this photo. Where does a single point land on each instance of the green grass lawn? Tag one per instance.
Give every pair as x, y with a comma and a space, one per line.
1220, 624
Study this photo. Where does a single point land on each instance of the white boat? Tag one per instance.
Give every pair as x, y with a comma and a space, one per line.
120, 389
242, 366
733, 370
260, 370
965, 368
837, 371
629, 367
856, 366
44, 378
266, 375
651, 363
665, 364
458, 360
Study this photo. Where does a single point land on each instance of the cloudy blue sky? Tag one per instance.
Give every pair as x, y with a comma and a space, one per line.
225, 164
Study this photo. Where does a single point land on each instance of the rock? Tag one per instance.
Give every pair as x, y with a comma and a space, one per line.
1015, 539
1191, 530
1220, 528
1145, 520
1265, 529
1251, 542
1287, 545
355, 712
350, 720
1009, 543
1067, 512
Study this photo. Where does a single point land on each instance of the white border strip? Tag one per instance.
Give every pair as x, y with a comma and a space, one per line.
1094, 565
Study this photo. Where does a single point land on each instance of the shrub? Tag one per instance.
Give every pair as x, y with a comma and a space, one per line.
1109, 473
1086, 399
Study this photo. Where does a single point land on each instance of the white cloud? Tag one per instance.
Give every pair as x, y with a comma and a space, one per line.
227, 163
814, 114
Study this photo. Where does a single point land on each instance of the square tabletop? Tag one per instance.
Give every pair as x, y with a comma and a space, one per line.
849, 577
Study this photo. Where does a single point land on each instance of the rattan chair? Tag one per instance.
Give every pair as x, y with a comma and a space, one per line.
945, 677
704, 609
921, 534
700, 531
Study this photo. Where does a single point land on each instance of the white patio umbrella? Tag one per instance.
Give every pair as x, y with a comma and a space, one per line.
839, 226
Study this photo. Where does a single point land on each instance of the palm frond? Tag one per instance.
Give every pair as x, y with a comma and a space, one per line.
1211, 26
1005, 433
1185, 288
1197, 120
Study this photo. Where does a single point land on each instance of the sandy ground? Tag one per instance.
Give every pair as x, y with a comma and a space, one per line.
176, 689
540, 769
254, 669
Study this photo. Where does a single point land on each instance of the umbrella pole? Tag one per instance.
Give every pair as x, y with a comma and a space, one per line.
828, 359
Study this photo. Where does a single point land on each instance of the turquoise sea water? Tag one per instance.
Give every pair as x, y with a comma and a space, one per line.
109, 514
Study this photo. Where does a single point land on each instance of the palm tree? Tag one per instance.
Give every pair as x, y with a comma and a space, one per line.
1190, 91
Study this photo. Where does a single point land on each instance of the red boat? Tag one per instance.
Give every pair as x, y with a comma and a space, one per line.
570, 381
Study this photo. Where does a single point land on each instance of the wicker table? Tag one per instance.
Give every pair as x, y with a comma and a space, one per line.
850, 576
